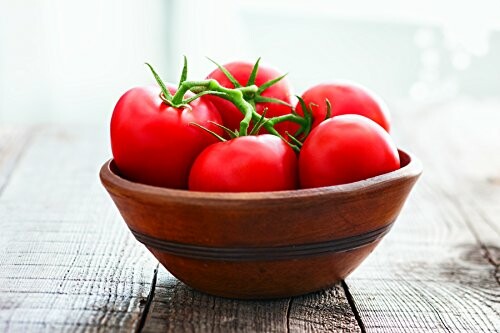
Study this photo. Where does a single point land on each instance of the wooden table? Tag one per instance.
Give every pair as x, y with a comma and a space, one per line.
68, 262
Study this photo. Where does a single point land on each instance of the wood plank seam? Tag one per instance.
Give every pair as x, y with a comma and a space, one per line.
65, 277
28, 139
491, 259
288, 312
149, 301
352, 304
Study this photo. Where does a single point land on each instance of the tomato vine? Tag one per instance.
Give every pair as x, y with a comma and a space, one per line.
243, 97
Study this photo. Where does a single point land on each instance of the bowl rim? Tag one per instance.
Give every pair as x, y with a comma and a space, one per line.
111, 179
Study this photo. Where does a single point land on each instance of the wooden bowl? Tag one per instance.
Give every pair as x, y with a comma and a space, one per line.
265, 244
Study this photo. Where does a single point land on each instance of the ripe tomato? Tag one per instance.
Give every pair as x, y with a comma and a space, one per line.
345, 98
245, 164
153, 143
241, 71
346, 149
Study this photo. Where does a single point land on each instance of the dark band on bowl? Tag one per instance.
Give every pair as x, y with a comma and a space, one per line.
262, 253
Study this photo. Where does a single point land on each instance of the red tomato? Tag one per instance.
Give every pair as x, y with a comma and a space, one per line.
241, 71
245, 164
345, 98
153, 143
346, 149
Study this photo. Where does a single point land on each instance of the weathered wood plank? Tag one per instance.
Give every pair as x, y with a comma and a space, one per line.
325, 311
67, 261
75, 267
432, 272
178, 308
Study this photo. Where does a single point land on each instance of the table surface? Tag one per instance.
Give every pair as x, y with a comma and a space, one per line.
68, 262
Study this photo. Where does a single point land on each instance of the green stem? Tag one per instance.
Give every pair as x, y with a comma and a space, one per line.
268, 124
177, 99
288, 117
236, 96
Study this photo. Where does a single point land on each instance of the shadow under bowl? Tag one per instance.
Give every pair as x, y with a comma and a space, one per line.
263, 244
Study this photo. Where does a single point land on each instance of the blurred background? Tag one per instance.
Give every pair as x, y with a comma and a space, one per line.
68, 61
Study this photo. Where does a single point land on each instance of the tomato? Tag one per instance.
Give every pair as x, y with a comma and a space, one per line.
154, 143
346, 149
345, 98
241, 71
245, 164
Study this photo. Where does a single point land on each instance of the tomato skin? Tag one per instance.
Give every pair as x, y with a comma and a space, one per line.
345, 98
245, 164
346, 149
153, 143
241, 71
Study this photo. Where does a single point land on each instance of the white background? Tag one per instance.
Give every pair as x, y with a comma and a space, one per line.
68, 61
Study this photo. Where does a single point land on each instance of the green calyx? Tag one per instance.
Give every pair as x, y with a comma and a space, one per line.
257, 96
243, 97
177, 100
217, 136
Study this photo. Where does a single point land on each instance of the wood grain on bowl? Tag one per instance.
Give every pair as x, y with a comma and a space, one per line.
266, 244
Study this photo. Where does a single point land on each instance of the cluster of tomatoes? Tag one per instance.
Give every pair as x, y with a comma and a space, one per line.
191, 135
